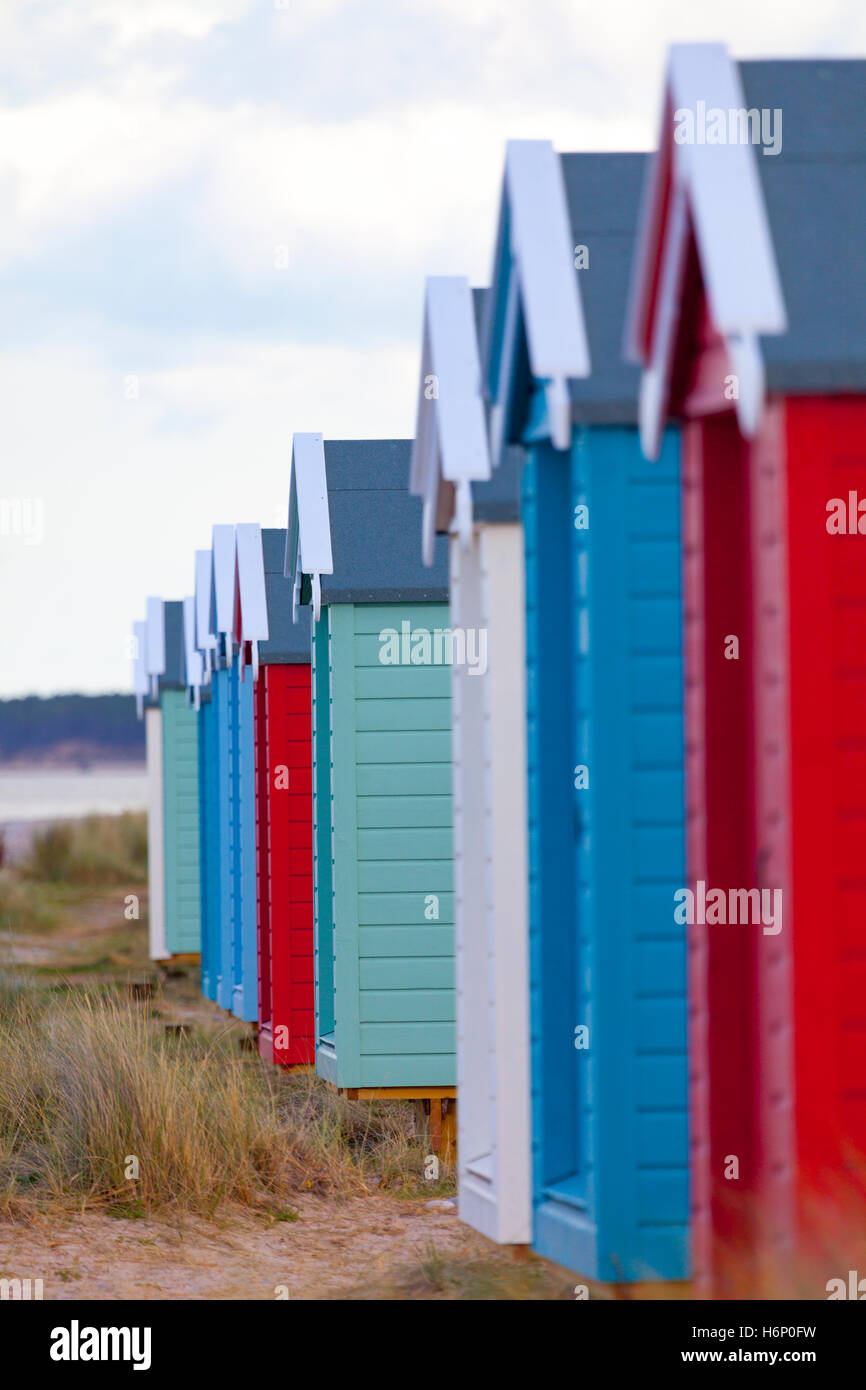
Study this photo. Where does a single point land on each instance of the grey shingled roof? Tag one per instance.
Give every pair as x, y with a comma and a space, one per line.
815, 193
604, 195
288, 642
175, 665
375, 525
498, 501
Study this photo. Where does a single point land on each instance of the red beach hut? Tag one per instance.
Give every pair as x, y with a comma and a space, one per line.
748, 317
284, 819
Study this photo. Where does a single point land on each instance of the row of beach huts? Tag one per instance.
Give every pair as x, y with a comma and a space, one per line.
524, 773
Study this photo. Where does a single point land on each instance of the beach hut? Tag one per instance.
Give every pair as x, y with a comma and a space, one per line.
180, 795
284, 820
172, 777
208, 774
226, 731
249, 627
235, 583
451, 472
154, 666
384, 949
747, 317
607, 967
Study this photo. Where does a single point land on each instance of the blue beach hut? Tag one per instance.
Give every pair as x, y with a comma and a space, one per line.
604, 722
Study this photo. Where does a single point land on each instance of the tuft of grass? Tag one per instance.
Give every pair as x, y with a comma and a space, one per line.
500, 1277
23, 907
95, 850
90, 1079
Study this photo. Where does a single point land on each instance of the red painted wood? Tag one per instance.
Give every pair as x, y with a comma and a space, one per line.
287, 1036
826, 451
263, 906
720, 847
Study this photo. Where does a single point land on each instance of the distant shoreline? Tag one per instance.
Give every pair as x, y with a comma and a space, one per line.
58, 760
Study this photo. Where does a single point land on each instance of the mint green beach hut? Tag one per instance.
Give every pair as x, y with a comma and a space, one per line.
384, 944
180, 794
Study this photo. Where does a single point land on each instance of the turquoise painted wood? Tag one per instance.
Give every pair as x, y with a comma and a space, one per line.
604, 694
244, 946
385, 1006
208, 769
181, 812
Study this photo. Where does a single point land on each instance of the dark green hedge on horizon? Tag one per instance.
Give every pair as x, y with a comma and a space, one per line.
34, 723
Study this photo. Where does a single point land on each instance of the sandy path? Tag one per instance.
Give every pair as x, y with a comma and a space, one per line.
332, 1248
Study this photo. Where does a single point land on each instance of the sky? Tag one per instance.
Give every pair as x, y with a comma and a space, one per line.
216, 217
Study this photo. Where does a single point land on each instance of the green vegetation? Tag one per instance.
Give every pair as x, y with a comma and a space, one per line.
105, 725
91, 1080
97, 850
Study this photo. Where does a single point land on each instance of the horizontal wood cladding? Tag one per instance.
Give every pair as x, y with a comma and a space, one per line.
390, 850
181, 800
285, 751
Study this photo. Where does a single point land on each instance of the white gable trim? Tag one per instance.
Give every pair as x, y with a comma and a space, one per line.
251, 585
204, 638
224, 583
718, 185
730, 219
655, 381
309, 486
541, 246
155, 657
450, 436
194, 666
140, 682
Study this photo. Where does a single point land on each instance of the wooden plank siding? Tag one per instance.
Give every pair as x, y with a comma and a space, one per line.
323, 897
630, 847
209, 847
390, 850
244, 1003
155, 835
181, 802
824, 921
225, 739
288, 824
604, 692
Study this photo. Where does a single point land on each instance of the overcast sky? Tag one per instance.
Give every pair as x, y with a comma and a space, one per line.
215, 221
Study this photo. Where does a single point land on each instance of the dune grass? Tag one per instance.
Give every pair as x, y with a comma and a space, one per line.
97, 850
101, 1107
24, 906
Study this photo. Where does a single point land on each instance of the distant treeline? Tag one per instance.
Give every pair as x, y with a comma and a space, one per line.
70, 728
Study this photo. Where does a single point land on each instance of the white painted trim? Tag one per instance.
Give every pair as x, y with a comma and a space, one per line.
223, 537
155, 836
454, 440
251, 582
718, 187
541, 245
205, 639
474, 1132
747, 364
655, 380
508, 874
140, 682
314, 522
732, 229
491, 909
193, 663
155, 657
